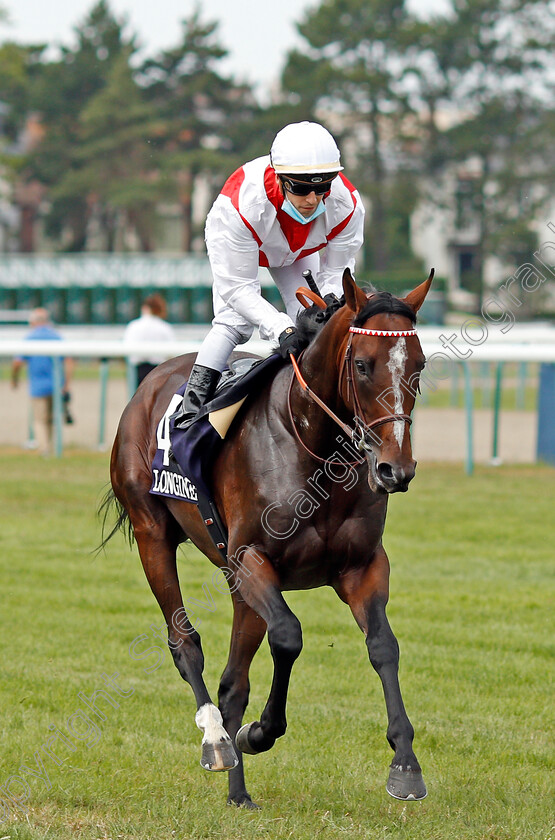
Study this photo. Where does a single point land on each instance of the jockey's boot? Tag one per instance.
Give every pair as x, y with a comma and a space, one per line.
200, 389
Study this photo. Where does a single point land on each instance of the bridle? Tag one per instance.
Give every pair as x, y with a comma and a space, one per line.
362, 429
347, 372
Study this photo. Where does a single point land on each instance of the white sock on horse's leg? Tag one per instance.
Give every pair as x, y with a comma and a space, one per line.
217, 748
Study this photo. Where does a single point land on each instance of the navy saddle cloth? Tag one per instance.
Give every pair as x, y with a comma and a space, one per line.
196, 447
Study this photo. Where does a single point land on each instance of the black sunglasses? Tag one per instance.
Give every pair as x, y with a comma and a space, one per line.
306, 187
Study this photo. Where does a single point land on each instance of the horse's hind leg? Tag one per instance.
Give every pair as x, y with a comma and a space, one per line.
157, 548
246, 636
366, 592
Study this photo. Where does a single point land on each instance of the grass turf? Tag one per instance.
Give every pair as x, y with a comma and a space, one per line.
470, 591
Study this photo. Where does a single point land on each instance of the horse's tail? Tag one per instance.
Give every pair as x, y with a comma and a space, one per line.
123, 523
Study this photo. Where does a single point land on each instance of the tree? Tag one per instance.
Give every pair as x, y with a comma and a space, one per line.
114, 167
62, 91
488, 61
19, 129
203, 115
19, 69
353, 68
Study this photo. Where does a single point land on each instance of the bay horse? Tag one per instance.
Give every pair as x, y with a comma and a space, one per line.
292, 523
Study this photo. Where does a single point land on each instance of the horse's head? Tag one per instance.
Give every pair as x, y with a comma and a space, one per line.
380, 363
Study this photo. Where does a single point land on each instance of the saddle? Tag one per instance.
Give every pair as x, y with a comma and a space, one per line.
195, 447
228, 396
182, 465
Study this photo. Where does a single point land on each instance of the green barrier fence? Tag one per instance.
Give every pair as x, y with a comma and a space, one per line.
120, 304
78, 306
7, 299
27, 298
273, 296
127, 303
200, 305
55, 301
102, 305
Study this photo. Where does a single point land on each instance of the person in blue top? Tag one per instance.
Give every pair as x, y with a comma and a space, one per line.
41, 378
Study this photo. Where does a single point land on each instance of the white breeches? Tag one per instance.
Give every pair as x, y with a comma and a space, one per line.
229, 328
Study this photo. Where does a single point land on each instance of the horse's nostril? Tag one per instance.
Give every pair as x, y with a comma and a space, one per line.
385, 472
396, 477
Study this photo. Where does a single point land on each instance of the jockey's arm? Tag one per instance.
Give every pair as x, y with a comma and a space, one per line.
234, 258
340, 254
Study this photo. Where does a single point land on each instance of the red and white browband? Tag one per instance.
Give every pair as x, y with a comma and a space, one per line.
392, 333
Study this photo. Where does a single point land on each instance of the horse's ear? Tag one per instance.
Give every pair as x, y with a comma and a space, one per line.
354, 296
415, 299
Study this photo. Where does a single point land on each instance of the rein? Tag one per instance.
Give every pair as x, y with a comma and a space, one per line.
344, 426
358, 433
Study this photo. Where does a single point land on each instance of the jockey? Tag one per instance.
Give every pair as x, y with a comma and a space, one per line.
290, 211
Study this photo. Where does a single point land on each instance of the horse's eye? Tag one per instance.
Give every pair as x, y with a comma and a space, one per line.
361, 367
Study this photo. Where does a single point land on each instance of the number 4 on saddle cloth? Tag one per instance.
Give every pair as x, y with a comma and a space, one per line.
182, 465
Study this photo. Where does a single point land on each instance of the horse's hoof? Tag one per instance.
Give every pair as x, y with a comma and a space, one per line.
243, 801
406, 784
219, 756
242, 740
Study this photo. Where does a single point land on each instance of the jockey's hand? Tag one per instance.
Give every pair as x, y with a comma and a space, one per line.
289, 342
333, 300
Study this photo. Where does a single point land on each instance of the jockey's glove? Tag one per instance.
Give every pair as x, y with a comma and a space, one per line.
332, 300
290, 342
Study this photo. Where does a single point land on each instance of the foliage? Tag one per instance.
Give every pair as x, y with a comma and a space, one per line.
491, 60
354, 67
19, 68
470, 90
416, 105
114, 165
62, 92
202, 114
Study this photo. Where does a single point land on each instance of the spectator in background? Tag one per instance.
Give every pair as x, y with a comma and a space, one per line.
151, 326
41, 379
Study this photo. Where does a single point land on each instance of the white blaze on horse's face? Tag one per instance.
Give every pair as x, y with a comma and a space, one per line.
396, 365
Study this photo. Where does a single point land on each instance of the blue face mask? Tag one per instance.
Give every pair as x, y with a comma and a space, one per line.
292, 211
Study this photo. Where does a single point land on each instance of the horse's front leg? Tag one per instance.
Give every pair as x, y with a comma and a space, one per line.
247, 634
258, 584
366, 591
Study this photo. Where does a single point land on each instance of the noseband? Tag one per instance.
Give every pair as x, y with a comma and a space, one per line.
358, 434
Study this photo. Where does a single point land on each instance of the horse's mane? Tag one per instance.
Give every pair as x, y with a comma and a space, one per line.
384, 302
311, 321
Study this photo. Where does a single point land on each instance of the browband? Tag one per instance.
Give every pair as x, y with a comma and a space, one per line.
393, 333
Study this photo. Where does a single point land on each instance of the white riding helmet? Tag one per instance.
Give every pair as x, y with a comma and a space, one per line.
304, 148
